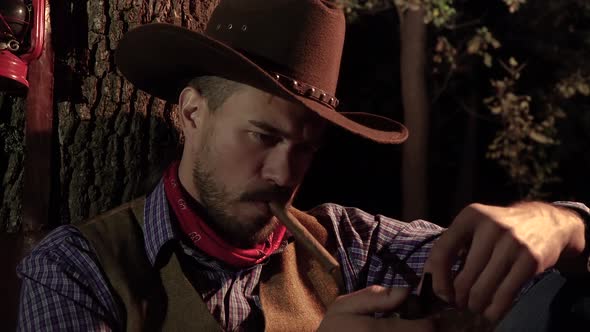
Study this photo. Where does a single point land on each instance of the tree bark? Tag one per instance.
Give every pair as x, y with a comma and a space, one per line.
416, 115
111, 135
12, 116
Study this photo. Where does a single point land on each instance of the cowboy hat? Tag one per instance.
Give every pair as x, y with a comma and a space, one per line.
290, 48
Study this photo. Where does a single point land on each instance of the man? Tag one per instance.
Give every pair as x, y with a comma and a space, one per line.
203, 251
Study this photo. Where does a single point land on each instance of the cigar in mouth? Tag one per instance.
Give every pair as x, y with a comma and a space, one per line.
304, 237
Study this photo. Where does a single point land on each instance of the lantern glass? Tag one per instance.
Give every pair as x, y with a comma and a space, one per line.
15, 19
22, 31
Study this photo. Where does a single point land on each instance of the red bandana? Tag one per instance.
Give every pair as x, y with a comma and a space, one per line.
184, 207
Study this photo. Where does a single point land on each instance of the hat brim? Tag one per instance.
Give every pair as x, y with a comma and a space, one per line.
161, 59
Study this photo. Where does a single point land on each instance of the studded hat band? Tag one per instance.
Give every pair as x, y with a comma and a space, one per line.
307, 90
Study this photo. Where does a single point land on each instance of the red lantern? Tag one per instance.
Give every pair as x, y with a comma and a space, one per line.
21, 41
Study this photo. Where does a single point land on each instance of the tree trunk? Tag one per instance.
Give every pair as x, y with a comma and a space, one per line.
415, 101
12, 122
111, 135
466, 175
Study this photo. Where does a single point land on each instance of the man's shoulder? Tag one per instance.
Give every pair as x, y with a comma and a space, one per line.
62, 275
328, 209
127, 211
357, 223
68, 247
60, 250
117, 234
338, 212
340, 218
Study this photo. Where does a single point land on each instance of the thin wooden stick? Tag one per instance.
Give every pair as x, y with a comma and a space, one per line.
303, 236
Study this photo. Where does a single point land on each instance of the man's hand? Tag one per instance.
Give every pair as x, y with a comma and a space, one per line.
354, 312
505, 247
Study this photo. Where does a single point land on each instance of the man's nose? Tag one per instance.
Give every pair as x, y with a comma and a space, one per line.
283, 168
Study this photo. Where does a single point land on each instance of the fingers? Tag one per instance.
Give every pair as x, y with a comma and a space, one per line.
524, 268
506, 247
477, 258
370, 300
492, 291
481, 292
443, 255
354, 312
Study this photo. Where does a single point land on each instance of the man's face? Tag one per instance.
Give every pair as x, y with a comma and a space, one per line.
255, 148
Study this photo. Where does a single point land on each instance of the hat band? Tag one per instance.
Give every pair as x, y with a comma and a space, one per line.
307, 90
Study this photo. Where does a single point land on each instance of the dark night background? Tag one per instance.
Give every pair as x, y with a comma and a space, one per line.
355, 172
107, 136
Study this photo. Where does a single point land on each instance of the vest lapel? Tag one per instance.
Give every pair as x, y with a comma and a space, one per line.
185, 310
294, 288
188, 311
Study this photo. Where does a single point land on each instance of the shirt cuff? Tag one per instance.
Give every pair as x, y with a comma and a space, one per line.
584, 213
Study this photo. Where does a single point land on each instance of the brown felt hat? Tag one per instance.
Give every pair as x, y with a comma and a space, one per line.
290, 48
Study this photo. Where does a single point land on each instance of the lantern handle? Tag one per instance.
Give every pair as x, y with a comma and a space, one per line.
37, 32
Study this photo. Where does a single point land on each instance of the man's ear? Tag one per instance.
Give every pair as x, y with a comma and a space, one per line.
192, 105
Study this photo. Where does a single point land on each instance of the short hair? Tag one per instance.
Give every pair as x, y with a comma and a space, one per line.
215, 89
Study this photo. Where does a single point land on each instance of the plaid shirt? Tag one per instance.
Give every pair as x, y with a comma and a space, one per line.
64, 289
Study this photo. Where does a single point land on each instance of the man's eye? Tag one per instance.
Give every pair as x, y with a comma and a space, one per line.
264, 138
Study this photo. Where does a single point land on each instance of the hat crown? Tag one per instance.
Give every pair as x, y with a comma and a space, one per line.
289, 48
302, 39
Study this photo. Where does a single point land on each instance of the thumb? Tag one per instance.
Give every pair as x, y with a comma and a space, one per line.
370, 300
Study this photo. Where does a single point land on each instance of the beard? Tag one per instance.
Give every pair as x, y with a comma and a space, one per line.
218, 202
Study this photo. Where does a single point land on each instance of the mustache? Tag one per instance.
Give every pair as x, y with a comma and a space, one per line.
275, 193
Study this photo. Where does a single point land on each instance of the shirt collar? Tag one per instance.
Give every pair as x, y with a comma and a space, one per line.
158, 224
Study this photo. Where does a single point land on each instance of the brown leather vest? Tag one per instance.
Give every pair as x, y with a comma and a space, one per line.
294, 289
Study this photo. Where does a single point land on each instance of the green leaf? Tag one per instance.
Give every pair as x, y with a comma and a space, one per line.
540, 138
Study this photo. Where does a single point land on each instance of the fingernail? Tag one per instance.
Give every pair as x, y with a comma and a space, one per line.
447, 297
